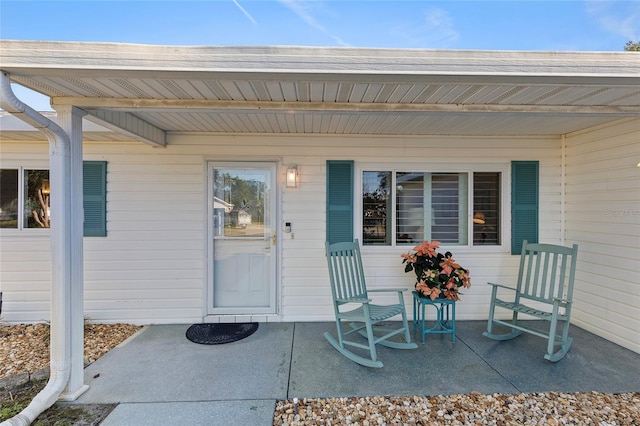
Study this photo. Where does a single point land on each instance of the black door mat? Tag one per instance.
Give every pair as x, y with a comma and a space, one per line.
217, 334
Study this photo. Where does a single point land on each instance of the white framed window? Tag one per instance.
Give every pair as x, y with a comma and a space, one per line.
24, 198
404, 205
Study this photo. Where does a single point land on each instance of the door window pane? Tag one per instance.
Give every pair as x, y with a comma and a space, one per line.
376, 208
36, 201
9, 198
486, 208
239, 202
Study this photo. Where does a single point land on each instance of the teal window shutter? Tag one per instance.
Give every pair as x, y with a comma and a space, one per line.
94, 191
524, 204
339, 201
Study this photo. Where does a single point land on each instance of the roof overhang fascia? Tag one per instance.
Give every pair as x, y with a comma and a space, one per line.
70, 56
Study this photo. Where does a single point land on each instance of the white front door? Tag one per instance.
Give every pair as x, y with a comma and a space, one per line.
242, 205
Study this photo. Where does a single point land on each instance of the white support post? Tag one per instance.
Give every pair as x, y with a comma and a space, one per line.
70, 119
60, 239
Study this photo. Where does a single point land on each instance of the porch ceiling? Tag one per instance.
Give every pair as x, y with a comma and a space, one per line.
151, 91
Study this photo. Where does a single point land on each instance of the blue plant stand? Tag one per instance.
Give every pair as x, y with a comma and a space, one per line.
445, 316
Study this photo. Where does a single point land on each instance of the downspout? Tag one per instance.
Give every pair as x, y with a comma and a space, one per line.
60, 237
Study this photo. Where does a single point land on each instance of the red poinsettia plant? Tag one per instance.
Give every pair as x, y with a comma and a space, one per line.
437, 275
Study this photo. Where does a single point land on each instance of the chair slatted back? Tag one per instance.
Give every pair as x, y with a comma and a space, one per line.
547, 271
346, 271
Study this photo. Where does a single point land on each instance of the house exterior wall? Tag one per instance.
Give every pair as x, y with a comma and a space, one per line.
603, 217
151, 267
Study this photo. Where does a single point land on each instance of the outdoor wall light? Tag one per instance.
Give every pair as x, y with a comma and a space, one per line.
292, 176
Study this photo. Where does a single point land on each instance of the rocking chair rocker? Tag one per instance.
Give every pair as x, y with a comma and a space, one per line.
348, 287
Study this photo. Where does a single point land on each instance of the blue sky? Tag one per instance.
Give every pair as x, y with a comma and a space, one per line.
501, 25
511, 25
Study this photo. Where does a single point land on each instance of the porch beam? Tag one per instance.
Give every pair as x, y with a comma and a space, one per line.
177, 105
127, 123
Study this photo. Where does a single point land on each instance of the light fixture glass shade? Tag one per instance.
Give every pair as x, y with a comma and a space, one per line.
478, 218
46, 188
292, 177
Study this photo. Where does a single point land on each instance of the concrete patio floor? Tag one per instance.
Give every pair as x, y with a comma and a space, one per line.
160, 377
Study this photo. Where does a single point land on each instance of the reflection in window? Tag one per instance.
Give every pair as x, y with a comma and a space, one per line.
240, 198
376, 208
9, 198
486, 208
36, 202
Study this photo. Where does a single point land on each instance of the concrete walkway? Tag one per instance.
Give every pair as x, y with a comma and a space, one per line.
161, 378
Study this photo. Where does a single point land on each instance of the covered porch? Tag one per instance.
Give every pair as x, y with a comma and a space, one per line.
160, 377
174, 108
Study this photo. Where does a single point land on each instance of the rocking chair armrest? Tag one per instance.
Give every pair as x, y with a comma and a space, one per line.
353, 300
502, 286
386, 290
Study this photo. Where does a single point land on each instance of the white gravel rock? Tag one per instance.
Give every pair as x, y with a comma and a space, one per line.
551, 408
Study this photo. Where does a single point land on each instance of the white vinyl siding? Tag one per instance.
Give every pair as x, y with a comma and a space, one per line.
151, 267
25, 278
603, 217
